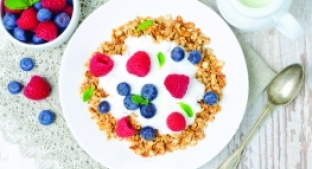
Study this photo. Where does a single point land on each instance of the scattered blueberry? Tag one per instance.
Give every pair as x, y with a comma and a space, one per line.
149, 91
210, 98
123, 89
36, 40
177, 54
20, 34
194, 57
14, 87
26, 64
148, 133
128, 103
69, 2
37, 6
104, 107
9, 21
44, 15
46, 117
62, 20
148, 111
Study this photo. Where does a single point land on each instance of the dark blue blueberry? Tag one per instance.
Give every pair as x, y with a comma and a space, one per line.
44, 15
210, 98
129, 104
37, 6
20, 34
177, 54
194, 57
149, 91
69, 2
104, 107
26, 64
62, 20
148, 133
9, 21
46, 117
148, 111
123, 89
36, 40
14, 87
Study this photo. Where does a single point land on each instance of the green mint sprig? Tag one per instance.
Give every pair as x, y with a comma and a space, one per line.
145, 24
138, 99
161, 59
19, 4
87, 94
187, 109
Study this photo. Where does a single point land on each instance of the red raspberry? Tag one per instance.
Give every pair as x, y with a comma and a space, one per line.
37, 88
100, 64
53, 5
139, 64
177, 85
176, 121
28, 19
68, 10
124, 128
46, 30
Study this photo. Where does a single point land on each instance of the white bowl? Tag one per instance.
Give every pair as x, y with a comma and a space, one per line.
47, 45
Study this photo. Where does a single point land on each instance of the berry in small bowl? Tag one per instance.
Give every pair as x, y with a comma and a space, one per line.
39, 24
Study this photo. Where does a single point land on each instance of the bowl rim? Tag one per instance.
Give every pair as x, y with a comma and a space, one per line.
54, 43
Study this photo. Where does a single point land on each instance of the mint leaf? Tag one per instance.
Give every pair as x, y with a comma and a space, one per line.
161, 59
31, 2
187, 109
138, 99
16, 4
87, 94
145, 24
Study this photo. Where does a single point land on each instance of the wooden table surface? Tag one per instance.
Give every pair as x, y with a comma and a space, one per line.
284, 139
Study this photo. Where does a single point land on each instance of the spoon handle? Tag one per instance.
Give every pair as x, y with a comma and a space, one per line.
232, 160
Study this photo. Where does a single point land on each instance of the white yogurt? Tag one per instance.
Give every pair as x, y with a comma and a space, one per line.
164, 102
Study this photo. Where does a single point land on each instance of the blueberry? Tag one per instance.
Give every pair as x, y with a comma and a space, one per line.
210, 98
36, 40
37, 6
104, 107
26, 64
20, 34
194, 57
69, 2
148, 133
177, 54
14, 87
46, 117
9, 21
62, 20
149, 91
123, 89
129, 104
148, 111
44, 15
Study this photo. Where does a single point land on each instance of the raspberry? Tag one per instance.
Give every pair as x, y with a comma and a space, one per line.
176, 121
124, 128
28, 19
53, 5
101, 65
68, 10
37, 88
46, 30
139, 64
177, 85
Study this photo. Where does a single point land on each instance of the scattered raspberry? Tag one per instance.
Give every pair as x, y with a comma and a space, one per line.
46, 30
139, 64
176, 121
101, 65
124, 128
53, 5
37, 89
28, 19
68, 10
177, 85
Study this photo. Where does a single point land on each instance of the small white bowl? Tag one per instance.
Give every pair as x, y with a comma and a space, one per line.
65, 35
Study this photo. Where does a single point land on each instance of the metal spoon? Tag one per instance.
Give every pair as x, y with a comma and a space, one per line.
281, 90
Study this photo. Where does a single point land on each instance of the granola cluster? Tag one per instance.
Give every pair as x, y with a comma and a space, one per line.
209, 73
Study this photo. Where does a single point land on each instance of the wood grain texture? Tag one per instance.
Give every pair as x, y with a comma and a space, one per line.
284, 139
